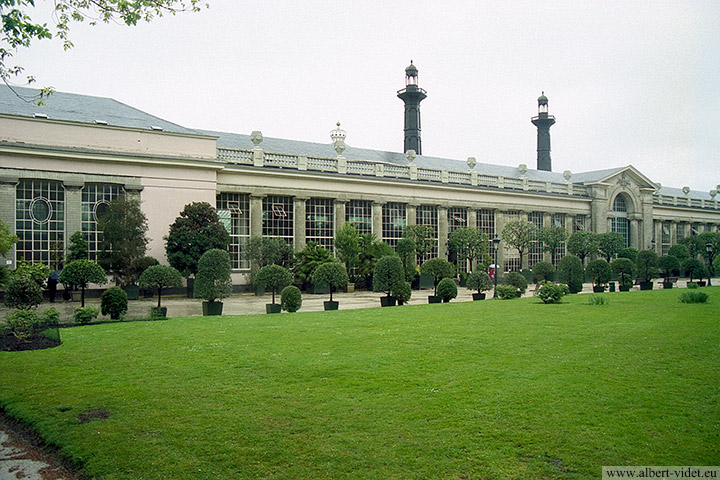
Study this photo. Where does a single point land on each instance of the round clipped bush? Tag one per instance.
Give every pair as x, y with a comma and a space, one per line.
332, 273
160, 277
599, 271
507, 292
446, 289
85, 315
550, 292
668, 264
438, 268
516, 280
570, 271
387, 274
23, 293
623, 268
275, 277
480, 281
694, 297
542, 270
114, 302
646, 264
402, 292
81, 273
213, 280
291, 298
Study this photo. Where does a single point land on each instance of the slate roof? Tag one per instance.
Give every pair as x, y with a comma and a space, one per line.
72, 107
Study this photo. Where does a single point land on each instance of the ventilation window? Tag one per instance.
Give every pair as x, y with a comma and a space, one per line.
156, 128
40, 115
101, 122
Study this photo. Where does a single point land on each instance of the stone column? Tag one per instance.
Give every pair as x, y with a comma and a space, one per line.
634, 231
340, 207
547, 222
411, 210
300, 224
472, 218
500, 222
256, 211
647, 215
442, 232
73, 206
599, 210
8, 189
377, 218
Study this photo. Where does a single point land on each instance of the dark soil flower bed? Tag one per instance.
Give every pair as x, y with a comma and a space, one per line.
38, 341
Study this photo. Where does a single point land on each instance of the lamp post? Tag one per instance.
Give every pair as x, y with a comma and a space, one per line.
496, 243
709, 248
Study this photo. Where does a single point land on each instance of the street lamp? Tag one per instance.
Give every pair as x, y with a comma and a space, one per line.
709, 248
496, 243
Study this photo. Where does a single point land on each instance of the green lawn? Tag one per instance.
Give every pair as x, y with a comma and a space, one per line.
491, 390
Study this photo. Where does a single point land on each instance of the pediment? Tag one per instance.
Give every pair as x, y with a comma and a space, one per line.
628, 177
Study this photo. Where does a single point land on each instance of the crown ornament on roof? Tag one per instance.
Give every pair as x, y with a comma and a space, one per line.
686, 190
256, 137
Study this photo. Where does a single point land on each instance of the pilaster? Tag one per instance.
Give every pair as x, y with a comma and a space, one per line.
340, 208
73, 206
411, 210
256, 224
8, 189
300, 219
377, 218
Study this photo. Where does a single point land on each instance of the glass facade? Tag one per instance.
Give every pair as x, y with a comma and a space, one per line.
512, 257
579, 223
535, 253
457, 218
234, 212
427, 215
277, 218
558, 220
394, 220
39, 219
620, 223
95, 200
319, 221
486, 222
665, 238
359, 214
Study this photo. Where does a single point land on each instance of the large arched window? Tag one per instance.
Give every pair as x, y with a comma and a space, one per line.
620, 223
40, 220
95, 200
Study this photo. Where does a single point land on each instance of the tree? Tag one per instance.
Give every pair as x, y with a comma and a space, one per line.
263, 251
195, 231
582, 244
570, 271
623, 268
542, 270
275, 277
405, 249
424, 238
80, 273
520, 236
552, 238
371, 250
647, 265
114, 302
213, 279
599, 271
19, 29
387, 274
308, 259
517, 280
332, 273
693, 244
668, 264
446, 289
630, 253
78, 249
160, 277
438, 268
679, 251
23, 293
609, 244
347, 245
480, 281
124, 238
693, 268
469, 244
713, 238
7, 240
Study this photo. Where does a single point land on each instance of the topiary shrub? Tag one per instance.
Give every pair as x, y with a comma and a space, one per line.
23, 293
114, 302
570, 272
693, 268
668, 264
275, 277
85, 315
139, 265
542, 271
550, 292
679, 251
387, 274
507, 292
446, 289
516, 280
37, 272
332, 273
623, 268
438, 268
291, 298
694, 297
646, 264
480, 281
213, 281
692, 286
81, 273
160, 277
402, 292
599, 271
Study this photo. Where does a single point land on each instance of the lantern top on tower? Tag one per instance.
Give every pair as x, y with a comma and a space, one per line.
411, 70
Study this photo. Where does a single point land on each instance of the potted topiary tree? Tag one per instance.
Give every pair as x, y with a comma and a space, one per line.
81, 273
570, 272
275, 277
668, 264
387, 274
646, 268
335, 276
139, 265
542, 271
480, 281
159, 277
623, 268
692, 268
113, 302
516, 280
213, 281
438, 268
402, 292
599, 271
446, 289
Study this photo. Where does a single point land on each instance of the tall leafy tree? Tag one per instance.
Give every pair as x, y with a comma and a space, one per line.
7, 240
347, 245
552, 238
582, 244
20, 28
519, 235
609, 244
195, 231
124, 238
469, 244
424, 238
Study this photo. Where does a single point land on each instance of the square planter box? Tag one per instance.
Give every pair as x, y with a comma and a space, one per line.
434, 299
478, 296
646, 286
599, 289
624, 288
387, 301
158, 312
331, 305
273, 308
212, 308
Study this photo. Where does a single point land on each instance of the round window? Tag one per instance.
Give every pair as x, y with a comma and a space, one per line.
100, 209
40, 210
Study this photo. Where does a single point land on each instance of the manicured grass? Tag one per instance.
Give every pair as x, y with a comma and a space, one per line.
494, 389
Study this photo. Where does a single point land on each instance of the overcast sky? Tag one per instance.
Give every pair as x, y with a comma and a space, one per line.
629, 82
